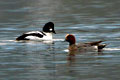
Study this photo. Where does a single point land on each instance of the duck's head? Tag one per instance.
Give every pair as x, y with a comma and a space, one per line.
70, 38
49, 27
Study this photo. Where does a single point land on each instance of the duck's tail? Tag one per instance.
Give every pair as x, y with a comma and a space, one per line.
101, 46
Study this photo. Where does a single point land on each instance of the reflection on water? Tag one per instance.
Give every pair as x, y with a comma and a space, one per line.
87, 20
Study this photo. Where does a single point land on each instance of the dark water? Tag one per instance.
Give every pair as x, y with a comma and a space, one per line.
88, 20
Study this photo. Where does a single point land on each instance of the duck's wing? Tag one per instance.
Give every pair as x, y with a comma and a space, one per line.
35, 32
93, 43
91, 46
24, 36
83, 45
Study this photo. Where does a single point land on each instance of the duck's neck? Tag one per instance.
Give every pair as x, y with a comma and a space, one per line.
48, 36
72, 43
72, 47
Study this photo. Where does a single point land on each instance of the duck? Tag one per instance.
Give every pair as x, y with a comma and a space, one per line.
82, 47
45, 34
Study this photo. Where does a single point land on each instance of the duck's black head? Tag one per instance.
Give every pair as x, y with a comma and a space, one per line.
49, 27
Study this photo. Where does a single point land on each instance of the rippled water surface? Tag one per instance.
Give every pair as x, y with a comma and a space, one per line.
88, 20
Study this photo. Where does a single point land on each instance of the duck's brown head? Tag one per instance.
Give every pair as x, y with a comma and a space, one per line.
70, 38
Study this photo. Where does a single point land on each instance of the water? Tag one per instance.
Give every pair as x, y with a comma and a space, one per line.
87, 20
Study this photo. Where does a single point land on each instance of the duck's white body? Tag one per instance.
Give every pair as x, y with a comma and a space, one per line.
45, 36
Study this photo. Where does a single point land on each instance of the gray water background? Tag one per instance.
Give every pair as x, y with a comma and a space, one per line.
88, 20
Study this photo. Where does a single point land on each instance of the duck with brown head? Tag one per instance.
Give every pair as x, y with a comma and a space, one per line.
81, 47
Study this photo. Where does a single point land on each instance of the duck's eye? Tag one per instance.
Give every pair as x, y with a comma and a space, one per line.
50, 29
